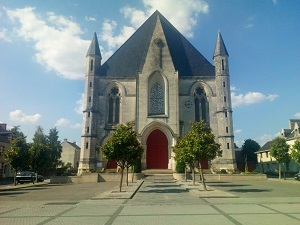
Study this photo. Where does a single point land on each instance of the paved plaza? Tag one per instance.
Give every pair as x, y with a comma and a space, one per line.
256, 202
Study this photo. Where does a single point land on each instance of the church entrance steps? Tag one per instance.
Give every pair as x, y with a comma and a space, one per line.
158, 177
157, 171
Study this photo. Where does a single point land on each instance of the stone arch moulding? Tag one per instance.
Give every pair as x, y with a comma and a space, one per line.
207, 88
115, 83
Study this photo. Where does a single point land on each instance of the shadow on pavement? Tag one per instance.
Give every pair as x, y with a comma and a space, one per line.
250, 190
165, 191
228, 185
162, 186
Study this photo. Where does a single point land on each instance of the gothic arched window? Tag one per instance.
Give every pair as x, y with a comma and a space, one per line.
201, 105
157, 103
113, 102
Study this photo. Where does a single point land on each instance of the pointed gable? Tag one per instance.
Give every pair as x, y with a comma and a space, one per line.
94, 47
130, 57
220, 48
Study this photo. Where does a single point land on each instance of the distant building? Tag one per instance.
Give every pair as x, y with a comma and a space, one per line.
159, 81
5, 144
70, 153
266, 161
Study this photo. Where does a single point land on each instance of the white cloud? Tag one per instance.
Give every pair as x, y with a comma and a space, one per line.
80, 104
250, 98
249, 25
19, 116
89, 18
56, 40
238, 131
275, 2
62, 122
4, 35
265, 138
76, 125
297, 115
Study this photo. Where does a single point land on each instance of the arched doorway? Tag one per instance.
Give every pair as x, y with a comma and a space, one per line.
157, 150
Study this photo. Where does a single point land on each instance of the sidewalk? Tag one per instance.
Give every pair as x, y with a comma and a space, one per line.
11, 186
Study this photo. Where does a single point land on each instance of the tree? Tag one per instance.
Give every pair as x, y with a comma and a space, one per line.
123, 147
248, 149
280, 151
295, 154
40, 151
18, 155
16, 132
198, 144
55, 147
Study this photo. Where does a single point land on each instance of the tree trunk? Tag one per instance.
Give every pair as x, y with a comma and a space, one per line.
185, 175
202, 177
279, 166
15, 181
122, 172
193, 175
132, 174
126, 175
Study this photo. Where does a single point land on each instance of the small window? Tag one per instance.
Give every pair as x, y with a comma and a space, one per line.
267, 154
228, 145
226, 129
223, 64
86, 145
90, 99
88, 130
224, 84
224, 98
89, 114
92, 65
225, 114
91, 84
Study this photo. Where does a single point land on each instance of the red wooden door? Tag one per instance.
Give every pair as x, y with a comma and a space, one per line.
157, 150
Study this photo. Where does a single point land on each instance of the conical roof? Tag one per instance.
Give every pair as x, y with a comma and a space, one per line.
130, 57
94, 47
220, 48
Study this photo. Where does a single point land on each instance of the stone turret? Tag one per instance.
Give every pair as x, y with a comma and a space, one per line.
224, 109
88, 156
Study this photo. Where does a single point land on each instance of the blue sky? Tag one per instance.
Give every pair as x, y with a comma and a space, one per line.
43, 46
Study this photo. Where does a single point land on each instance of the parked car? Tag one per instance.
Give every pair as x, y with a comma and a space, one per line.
28, 176
297, 176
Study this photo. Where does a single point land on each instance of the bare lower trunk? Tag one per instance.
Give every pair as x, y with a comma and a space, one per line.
132, 174
126, 175
279, 170
122, 172
193, 175
185, 175
202, 178
15, 181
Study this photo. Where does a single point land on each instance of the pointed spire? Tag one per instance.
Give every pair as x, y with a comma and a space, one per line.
94, 47
220, 48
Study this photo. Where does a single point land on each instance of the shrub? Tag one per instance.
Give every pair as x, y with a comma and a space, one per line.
223, 171
137, 166
180, 167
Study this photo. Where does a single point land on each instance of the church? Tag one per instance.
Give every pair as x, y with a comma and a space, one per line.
159, 81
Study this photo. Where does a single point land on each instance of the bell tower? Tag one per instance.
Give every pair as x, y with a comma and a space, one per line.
224, 109
88, 156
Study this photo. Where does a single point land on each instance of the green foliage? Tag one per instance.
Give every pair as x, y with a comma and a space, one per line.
123, 147
137, 166
248, 149
295, 154
280, 150
16, 132
55, 147
180, 167
18, 155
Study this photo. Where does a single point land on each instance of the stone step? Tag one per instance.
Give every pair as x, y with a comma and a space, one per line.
158, 177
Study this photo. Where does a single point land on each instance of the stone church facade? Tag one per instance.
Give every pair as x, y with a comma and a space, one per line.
159, 81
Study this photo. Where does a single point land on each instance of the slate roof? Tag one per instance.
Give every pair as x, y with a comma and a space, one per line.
266, 147
94, 47
130, 57
220, 48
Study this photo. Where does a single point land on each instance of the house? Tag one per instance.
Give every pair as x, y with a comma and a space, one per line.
5, 144
70, 153
159, 81
267, 162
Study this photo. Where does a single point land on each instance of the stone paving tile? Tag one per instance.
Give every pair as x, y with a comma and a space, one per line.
36, 211
243, 208
173, 219
97, 220
87, 210
170, 210
22, 220
285, 207
272, 219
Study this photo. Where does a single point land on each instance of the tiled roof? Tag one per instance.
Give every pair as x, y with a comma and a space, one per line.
130, 57
265, 147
